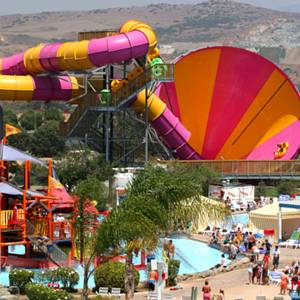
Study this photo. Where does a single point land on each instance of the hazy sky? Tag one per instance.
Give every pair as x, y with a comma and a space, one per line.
31, 6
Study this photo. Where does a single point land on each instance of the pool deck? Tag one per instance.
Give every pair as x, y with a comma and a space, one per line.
234, 283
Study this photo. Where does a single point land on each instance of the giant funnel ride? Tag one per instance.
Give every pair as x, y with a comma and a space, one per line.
224, 103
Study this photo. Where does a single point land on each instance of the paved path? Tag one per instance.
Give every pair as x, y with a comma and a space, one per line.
235, 283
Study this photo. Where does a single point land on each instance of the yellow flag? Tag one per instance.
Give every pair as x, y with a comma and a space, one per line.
54, 184
10, 129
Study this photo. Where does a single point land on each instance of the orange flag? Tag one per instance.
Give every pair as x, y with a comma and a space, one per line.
10, 129
54, 184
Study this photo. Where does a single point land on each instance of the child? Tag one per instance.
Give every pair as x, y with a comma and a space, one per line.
206, 290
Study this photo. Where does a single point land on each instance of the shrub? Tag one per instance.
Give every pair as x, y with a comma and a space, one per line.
112, 274
36, 291
67, 276
173, 269
20, 278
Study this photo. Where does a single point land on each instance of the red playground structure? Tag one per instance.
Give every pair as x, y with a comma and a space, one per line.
34, 221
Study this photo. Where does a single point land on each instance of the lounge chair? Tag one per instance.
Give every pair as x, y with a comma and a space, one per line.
275, 277
278, 298
261, 298
152, 296
289, 243
186, 298
169, 296
103, 291
116, 292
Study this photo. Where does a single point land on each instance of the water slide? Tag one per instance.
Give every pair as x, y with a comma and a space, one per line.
225, 103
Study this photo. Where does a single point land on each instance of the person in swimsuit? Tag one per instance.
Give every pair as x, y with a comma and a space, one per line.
171, 250
206, 290
153, 276
250, 270
284, 282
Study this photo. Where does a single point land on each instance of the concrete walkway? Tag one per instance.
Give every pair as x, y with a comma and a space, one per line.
234, 283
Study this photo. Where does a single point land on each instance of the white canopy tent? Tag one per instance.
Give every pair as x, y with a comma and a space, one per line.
273, 216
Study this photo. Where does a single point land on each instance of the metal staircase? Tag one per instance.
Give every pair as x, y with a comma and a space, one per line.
81, 118
87, 112
152, 74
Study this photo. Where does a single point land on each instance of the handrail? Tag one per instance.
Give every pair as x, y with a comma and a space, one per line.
155, 73
88, 101
158, 72
7, 215
246, 168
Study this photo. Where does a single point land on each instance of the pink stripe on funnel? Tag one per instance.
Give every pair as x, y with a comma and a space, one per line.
241, 75
166, 91
267, 149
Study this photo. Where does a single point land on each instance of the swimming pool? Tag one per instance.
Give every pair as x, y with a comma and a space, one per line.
194, 257
236, 219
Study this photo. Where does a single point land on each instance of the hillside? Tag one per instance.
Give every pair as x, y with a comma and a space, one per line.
182, 27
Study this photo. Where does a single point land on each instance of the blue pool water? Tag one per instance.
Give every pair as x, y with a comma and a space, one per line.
193, 255
236, 219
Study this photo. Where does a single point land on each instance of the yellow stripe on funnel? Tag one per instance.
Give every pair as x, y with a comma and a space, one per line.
195, 91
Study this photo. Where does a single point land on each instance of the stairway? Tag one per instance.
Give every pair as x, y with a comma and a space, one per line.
152, 74
87, 112
81, 118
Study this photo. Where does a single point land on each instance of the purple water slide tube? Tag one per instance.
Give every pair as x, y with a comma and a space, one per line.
108, 50
174, 135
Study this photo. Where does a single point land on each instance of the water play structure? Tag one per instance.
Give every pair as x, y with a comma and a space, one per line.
213, 103
33, 221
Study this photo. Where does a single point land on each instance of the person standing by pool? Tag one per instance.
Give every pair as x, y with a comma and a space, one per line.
251, 241
251, 270
206, 290
265, 269
276, 254
171, 250
284, 282
153, 276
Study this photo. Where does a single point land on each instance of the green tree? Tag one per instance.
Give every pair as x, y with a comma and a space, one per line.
261, 189
9, 116
76, 166
31, 120
286, 187
22, 141
126, 230
46, 140
53, 114
93, 189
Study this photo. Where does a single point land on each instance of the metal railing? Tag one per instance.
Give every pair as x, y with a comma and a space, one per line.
7, 215
156, 73
88, 101
251, 168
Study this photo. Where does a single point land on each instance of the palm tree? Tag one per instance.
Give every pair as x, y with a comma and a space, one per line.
157, 198
124, 231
